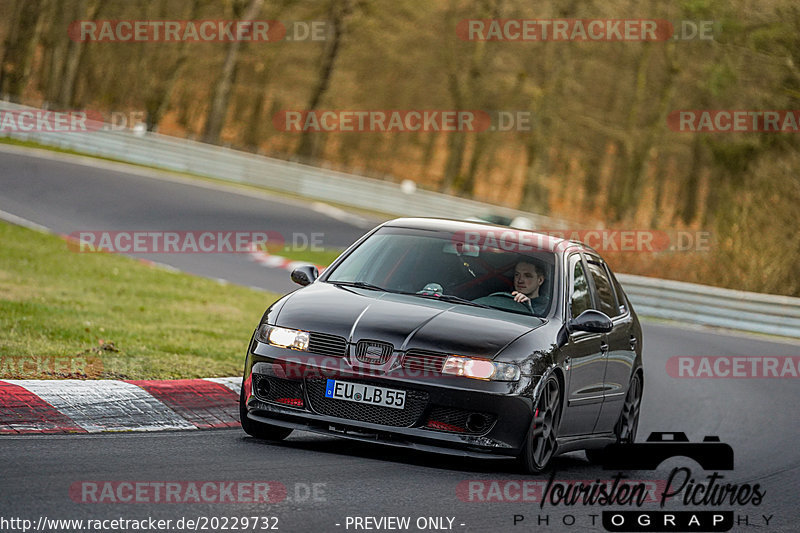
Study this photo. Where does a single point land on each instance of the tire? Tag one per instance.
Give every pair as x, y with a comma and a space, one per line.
257, 429
628, 423
541, 442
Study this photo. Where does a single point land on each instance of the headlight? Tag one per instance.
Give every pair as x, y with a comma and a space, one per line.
480, 369
283, 337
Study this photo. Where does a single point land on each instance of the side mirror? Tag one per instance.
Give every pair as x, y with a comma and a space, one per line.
305, 275
591, 320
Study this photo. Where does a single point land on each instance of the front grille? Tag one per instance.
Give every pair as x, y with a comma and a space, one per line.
324, 344
455, 421
373, 352
423, 361
277, 390
375, 414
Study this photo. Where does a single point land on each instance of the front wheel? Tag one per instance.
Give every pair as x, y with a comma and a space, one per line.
541, 442
257, 429
628, 423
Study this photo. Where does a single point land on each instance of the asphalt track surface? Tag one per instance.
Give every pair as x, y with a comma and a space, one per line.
69, 197
757, 417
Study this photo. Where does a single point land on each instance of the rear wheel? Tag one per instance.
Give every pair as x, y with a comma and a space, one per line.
541, 443
628, 423
257, 429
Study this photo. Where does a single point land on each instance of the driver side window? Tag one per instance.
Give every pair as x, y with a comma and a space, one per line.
580, 299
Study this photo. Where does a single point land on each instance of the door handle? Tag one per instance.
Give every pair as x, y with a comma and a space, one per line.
604, 348
634, 342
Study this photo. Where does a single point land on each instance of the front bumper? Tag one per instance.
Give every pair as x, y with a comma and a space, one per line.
436, 416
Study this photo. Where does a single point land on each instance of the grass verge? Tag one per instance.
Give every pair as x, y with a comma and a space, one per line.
70, 315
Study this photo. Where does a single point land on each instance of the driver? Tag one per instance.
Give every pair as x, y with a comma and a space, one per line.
528, 278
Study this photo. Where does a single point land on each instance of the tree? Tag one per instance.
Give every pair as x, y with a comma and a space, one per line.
222, 89
20, 43
75, 53
338, 14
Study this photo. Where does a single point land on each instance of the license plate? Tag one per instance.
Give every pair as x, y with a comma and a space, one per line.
360, 393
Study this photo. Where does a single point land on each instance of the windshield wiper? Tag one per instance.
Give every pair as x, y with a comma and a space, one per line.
441, 297
359, 285
452, 299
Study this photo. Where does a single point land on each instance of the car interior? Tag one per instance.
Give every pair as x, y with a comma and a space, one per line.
415, 264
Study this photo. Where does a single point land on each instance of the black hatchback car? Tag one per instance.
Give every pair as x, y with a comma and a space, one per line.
423, 334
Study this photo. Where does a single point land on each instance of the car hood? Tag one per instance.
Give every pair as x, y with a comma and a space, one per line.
406, 321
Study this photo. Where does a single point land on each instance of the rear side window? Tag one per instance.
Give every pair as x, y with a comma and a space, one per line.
606, 299
623, 306
580, 299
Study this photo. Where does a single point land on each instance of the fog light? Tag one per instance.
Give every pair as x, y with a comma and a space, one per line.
477, 423
262, 388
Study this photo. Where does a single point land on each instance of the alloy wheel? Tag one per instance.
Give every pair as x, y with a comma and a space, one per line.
542, 443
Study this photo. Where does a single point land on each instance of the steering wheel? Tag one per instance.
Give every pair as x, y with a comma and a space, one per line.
513, 304
509, 295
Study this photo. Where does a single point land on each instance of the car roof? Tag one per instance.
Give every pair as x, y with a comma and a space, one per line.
544, 241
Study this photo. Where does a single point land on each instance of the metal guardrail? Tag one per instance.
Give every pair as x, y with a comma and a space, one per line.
713, 306
685, 302
183, 155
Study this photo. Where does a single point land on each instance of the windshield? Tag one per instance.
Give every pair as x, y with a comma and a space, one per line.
437, 265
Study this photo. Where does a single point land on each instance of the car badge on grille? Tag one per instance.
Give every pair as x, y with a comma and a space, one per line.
373, 352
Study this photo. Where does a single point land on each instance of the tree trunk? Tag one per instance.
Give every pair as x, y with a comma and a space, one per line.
222, 90
455, 141
340, 11
55, 47
466, 184
252, 135
534, 193
19, 47
690, 190
75, 53
637, 145
158, 105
